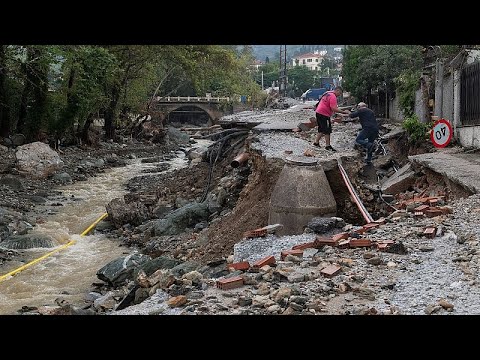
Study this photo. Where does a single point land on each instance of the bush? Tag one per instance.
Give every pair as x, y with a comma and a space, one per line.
417, 131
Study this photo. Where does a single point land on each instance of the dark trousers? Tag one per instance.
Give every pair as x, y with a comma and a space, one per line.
366, 137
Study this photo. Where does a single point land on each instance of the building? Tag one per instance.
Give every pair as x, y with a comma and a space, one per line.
311, 60
256, 64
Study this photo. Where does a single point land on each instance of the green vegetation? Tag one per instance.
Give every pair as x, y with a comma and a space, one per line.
416, 130
369, 67
407, 83
51, 91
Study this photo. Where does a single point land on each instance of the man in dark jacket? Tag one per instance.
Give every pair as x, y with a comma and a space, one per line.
369, 130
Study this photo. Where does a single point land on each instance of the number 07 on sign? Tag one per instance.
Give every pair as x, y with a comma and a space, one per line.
441, 134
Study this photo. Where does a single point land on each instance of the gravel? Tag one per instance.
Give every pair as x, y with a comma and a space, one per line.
255, 249
439, 274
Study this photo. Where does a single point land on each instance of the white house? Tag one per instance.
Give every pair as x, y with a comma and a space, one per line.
311, 60
256, 64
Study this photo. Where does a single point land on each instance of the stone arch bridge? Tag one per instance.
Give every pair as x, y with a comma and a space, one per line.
170, 105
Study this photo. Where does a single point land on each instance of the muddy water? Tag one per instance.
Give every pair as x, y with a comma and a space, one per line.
69, 273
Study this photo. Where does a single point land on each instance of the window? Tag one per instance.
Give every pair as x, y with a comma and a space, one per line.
303, 61
309, 60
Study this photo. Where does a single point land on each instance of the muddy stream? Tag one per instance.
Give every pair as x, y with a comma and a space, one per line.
69, 273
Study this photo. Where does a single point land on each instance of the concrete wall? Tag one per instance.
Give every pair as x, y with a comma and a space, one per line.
420, 110
469, 136
394, 111
447, 104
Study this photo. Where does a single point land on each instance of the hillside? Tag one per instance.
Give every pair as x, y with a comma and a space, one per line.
273, 51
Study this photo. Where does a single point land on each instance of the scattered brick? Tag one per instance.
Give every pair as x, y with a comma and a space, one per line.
230, 283
367, 227
384, 244
320, 241
343, 244
433, 212
269, 260
255, 233
433, 202
330, 270
371, 225
360, 243
341, 236
297, 252
430, 232
244, 266
177, 301
421, 208
304, 246
445, 209
361, 230
380, 221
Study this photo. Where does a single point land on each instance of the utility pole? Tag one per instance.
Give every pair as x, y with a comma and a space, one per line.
262, 79
283, 70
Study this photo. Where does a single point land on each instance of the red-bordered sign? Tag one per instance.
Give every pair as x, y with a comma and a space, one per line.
441, 133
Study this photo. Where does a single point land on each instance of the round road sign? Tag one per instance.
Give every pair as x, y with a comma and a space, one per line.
441, 134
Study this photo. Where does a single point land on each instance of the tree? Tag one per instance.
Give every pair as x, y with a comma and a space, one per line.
368, 67
302, 77
271, 72
4, 113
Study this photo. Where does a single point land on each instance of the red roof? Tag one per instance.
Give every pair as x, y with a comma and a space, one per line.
308, 55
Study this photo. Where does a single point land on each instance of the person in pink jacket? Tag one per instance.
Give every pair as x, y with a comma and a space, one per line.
325, 109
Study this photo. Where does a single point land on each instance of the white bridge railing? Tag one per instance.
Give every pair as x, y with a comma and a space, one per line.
191, 99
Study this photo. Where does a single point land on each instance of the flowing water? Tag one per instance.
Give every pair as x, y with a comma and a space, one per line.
69, 273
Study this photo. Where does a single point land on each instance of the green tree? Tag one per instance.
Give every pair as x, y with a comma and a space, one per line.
271, 73
368, 67
302, 78
4, 108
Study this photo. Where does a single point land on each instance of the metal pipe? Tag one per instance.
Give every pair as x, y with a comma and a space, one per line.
366, 215
240, 159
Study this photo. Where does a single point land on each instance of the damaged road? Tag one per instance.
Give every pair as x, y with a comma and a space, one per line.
194, 252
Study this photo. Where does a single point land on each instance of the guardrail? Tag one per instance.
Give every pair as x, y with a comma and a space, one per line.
191, 99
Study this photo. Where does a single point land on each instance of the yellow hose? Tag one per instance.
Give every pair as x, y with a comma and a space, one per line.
70, 243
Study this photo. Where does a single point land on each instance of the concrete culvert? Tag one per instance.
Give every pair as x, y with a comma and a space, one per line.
301, 193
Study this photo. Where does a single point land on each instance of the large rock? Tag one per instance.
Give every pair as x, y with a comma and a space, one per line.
185, 268
161, 262
28, 241
37, 160
120, 213
199, 152
62, 178
399, 182
177, 136
18, 139
12, 182
121, 269
321, 225
177, 221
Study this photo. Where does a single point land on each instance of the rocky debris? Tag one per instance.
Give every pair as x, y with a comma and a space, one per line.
120, 213
37, 160
28, 241
401, 181
178, 220
321, 225
119, 270
11, 182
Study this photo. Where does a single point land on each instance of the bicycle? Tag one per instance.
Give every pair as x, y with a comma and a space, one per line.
380, 149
